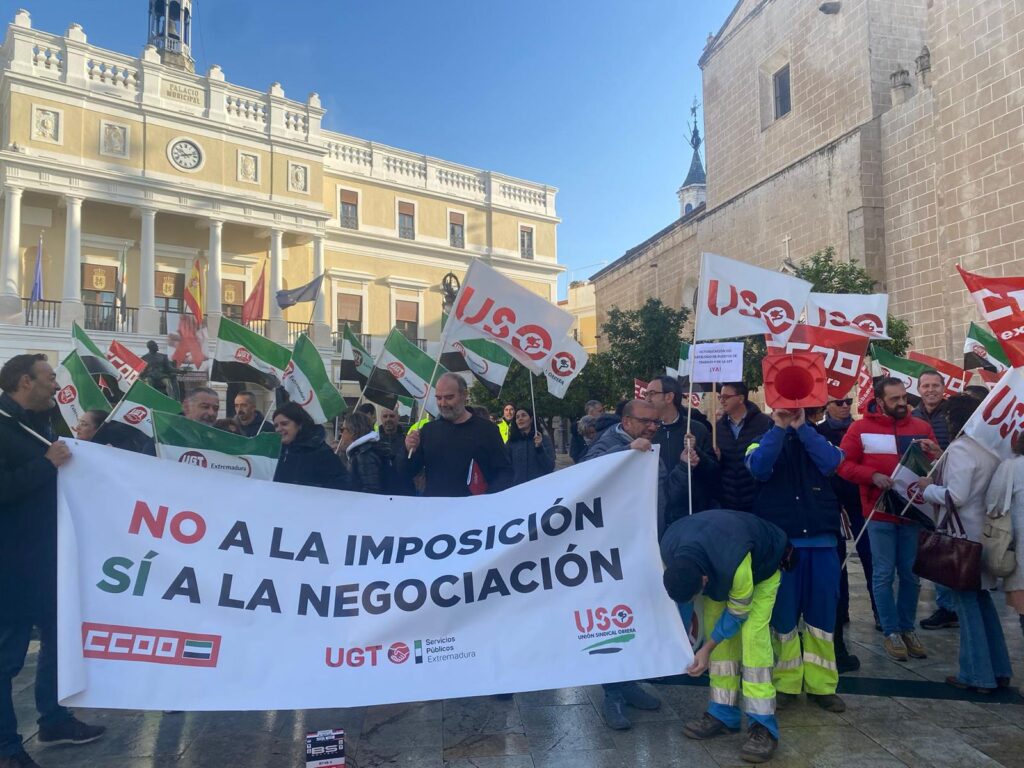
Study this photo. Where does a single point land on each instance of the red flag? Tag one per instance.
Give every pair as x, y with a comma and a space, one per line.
188, 342
954, 376
253, 307
639, 389
865, 388
1001, 302
843, 352
475, 480
129, 366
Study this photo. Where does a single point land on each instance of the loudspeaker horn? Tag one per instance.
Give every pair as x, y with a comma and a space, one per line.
795, 380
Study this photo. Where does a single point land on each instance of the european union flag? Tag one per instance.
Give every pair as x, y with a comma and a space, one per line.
307, 292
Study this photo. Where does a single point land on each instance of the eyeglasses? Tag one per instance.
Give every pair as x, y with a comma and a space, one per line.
655, 392
723, 398
844, 401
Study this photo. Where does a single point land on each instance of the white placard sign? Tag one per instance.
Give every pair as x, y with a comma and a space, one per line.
181, 588
717, 363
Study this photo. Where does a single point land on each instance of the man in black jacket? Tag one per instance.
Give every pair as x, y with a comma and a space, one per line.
28, 554
248, 417
740, 425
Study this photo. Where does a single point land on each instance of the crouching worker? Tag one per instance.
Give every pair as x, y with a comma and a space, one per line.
733, 558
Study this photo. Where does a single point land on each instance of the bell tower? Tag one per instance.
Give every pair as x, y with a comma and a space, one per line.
694, 189
170, 32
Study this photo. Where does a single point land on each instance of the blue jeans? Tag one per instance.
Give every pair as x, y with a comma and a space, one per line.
944, 598
14, 639
893, 549
983, 654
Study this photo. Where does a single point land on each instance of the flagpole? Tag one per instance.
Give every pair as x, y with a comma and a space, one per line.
28, 429
437, 363
533, 403
319, 290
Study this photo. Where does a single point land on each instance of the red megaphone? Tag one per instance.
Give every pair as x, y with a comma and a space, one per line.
795, 380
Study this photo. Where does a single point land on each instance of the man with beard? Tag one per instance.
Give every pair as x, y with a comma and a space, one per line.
872, 448
392, 433
248, 417
448, 448
202, 405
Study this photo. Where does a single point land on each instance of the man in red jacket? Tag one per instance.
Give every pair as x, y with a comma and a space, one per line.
873, 447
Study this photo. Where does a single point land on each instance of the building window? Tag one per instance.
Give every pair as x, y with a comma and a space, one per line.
348, 214
232, 299
687, 209
99, 287
350, 310
780, 88
170, 296
456, 229
407, 319
407, 221
526, 242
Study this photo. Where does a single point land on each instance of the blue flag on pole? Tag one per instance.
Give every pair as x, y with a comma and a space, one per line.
307, 292
37, 283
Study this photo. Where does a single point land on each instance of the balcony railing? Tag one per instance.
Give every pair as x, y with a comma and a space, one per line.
42, 313
421, 343
257, 326
295, 328
106, 317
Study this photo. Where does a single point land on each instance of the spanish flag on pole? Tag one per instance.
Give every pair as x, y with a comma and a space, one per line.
194, 292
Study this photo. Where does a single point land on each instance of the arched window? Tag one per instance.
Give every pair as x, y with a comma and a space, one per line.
687, 209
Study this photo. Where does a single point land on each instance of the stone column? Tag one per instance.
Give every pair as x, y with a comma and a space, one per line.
149, 318
276, 328
213, 259
321, 331
71, 309
10, 258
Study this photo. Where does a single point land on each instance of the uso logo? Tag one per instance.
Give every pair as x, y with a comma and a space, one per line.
777, 314
67, 395
136, 415
500, 322
396, 369
243, 355
563, 364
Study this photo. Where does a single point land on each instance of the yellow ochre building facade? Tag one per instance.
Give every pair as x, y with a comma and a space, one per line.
132, 168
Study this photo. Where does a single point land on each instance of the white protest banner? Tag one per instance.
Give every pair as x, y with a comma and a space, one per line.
527, 325
717, 363
999, 421
185, 589
738, 299
865, 314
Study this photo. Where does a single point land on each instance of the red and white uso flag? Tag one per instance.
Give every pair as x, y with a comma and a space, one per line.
564, 365
737, 299
528, 326
866, 314
1001, 302
128, 365
999, 421
954, 376
843, 352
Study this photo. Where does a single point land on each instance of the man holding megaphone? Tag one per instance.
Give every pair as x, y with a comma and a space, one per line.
792, 463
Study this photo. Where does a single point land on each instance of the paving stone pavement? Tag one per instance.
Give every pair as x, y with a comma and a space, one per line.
563, 728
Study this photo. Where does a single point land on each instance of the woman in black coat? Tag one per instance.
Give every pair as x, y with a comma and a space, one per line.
370, 460
532, 452
305, 459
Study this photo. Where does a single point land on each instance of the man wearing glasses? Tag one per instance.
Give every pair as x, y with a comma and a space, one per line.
637, 429
664, 394
741, 424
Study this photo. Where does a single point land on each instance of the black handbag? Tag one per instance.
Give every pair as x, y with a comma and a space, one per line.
946, 556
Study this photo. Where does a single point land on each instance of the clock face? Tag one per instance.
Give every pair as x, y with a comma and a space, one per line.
186, 154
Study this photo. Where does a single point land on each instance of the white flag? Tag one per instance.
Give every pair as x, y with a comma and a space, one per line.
527, 325
999, 421
738, 299
865, 314
564, 365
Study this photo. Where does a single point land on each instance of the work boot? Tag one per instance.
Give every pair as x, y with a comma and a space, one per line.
20, 760
760, 745
638, 698
846, 661
915, 648
895, 648
828, 701
941, 619
614, 711
784, 700
70, 731
707, 727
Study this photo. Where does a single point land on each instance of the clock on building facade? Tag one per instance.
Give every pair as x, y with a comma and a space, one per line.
185, 154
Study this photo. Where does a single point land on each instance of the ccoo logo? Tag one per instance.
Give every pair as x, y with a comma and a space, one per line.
67, 395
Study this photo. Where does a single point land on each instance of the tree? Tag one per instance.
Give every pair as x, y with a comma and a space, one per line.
827, 274
642, 342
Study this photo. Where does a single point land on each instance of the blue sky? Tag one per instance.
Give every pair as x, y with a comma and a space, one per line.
591, 97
